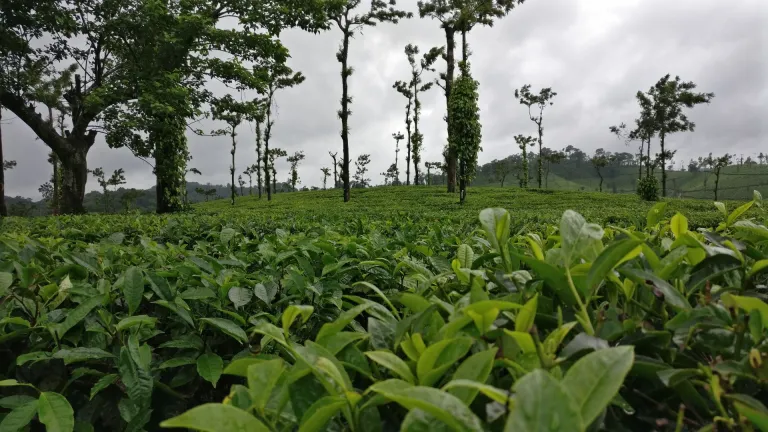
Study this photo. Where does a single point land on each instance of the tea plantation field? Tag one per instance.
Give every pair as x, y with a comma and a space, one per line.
399, 311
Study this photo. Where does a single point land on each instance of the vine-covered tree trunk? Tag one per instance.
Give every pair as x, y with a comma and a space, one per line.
450, 51
462, 182
170, 163
344, 113
74, 174
3, 208
408, 145
541, 161
258, 157
232, 168
416, 146
663, 157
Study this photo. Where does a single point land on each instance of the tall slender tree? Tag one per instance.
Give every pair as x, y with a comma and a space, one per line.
541, 100
466, 131
250, 171
335, 169
273, 155
417, 85
187, 172
295, 160
326, 173
523, 142
351, 23
398, 137
233, 113
260, 116
404, 89
5, 165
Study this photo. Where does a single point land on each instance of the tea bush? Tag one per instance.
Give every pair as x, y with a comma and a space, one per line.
254, 320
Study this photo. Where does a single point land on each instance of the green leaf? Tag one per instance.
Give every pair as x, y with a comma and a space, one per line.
710, 268
444, 406
227, 234
655, 214
679, 225
583, 342
79, 354
577, 235
673, 377
261, 293
615, 254
133, 288
55, 412
15, 401
439, 357
34, 357
262, 378
594, 380
320, 412
240, 296
524, 319
209, 367
6, 280
476, 368
102, 383
19, 417
78, 314
160, 286
671, 295
292, 312
336, 326
748, 304
495, 222
228, 327
393, 363
543, 405
129, 322
758, 418
721, 208
466, 385
213, 417
465, 255
734, 216
177, 362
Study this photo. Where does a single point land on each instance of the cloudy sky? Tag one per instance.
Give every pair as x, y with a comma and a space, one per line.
596, 54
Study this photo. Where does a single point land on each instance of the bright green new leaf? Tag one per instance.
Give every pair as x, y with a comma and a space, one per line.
78, 314
758, 267
268, 329
493, 393
721, 208
543, 405
740, 210
577, 235
655, 214
320, 412
524, 341
227, 327
132, 321
102, 383
612, 256
240, 296
6, 280
594, 380
476, 369
213, 417
440, 357
292, 312
133, 288
227, 234
444, 406
526, 315
334, 327
756, 417
495, 222
262, 378
747, 304
19, 417
393, 363
55, 412
679, 225
465, 255
209, 367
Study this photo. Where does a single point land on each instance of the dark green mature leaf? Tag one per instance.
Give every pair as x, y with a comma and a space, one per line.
55, 412
439, 357
133, 288
6, 279
138, 320
444, 406
475, 368
583, 342
78, 314
214, 417
209, 367
710, 268
552, 276
543, 405
12, 402
613, 255
239, 296
79, 354
393, 363
334, 327
673, 377
671, 295
160, 286
103, 383
19, 416
227, 327
318, 415
594, 380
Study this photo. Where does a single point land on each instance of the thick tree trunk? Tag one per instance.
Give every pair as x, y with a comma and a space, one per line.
462, 183
344, 114
3, 208
450, 51
170, 163
74, 173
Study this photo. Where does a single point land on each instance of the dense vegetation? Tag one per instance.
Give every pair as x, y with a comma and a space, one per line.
274, 316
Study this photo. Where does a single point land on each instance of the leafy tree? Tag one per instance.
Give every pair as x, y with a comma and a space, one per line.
250, 171
241, 182
294, 161
628, 136
718, 165
417, 85
404, 89
361, 167
541, 100
465, 126
187, 172
202, 192
459, 16
501, 169
46, 190
599, 161
398, 137
430, 166
7, 165
233, 113
259, 119
335, 169
280, 77
390, 175
117, 179
667, 99
326, 174
272, 156
550, 157
350, 23
761, 158
128, 199
524, 142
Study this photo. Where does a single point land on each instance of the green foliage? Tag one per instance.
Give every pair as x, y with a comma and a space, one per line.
402, 318
648, 188
541, 100
464, 125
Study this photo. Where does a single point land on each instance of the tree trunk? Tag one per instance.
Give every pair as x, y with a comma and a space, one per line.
344, 114
170, 162
408, 145
462, 183
3, 208
74, 173
416, 157
258, 157
541, 160
232, 168
663, 166
717, 182
450, 52
648, 161
55, 179
267, 168
464, 46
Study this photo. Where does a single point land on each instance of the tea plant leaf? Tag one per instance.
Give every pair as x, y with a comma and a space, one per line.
320, 412
439, 357
262, 378
495, 222
102, 383
526, 315
679, 225
740, 210
19, 417
15, 401
79, 354
655, 214
334, 327
393, 363
291, 313
138, 320
615, 254
260, 290
444, 406
6, 280
465, 255
747, 304
543, 405
160, 286
227, 234
339, 341
710, 268
133, 288
213, 417
239, 296
671, 295
583, 342
673, 377
756, 417
476, 368
594, 380
721, 208
577, 234
227, 327
493, 393
177, 362
55, 412
78, 314
209, 367
269, 329
381, 295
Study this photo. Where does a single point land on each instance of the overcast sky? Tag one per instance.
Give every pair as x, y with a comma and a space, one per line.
596, 54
